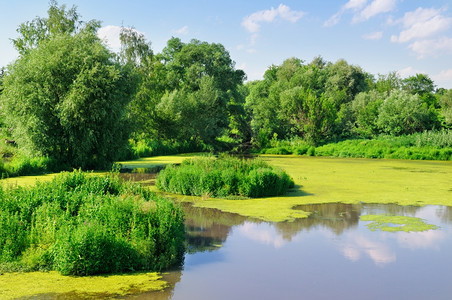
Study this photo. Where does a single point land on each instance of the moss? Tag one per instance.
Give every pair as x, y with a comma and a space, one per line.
397, 223
16, 285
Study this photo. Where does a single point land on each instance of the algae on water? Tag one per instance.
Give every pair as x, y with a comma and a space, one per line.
397, 223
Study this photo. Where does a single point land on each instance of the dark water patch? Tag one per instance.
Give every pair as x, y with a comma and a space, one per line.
146, 179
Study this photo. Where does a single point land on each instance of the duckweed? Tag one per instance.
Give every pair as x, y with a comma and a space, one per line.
17, 285
397, 223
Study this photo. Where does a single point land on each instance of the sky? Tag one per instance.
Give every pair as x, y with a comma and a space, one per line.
380, 36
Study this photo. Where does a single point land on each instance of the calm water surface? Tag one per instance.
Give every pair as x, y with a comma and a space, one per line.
331, 255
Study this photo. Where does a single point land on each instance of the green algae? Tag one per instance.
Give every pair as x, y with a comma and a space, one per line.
25, 285
397, 223
149, 162
345, 180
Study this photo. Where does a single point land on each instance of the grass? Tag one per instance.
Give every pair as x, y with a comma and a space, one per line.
84, 224
224, 177
429, 145
396, 223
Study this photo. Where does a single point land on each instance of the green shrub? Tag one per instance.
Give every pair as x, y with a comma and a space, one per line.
206, 176
81, 224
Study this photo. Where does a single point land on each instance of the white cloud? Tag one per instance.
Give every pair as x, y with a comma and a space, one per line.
409, 71
252, 22
422, 23
373, 9
421, 240
361, 11
267, 236
380, 253
355, 4
422, 28
182, 31
444, 75
110, 34
350, 5
432, 47
373, 35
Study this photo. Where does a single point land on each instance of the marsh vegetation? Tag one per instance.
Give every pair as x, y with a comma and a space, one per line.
83, 224
224, 177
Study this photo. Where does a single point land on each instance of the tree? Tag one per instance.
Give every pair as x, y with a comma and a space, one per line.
445, 102
311, 117
388, 83
423, 86
308, 100
65, 97
189, 91
403, 113
365, 108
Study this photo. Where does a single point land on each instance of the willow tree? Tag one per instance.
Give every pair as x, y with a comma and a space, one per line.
65, 97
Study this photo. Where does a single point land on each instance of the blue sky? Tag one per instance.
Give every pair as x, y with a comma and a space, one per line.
381, 36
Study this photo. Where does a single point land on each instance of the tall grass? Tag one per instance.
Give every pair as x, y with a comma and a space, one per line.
227, 176
428, 145
81, 224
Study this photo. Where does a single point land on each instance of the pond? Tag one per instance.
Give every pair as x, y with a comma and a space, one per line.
330, 255
269, 249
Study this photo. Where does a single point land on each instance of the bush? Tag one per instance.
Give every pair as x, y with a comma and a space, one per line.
81, 224
207, 176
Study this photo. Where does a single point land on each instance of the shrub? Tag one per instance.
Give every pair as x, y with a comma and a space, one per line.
82, 224
224, 177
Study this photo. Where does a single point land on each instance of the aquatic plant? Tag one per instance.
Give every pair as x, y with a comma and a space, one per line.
83, 224
397, 223
226, 176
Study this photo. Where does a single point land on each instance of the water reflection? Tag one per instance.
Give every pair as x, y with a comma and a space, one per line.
231, 257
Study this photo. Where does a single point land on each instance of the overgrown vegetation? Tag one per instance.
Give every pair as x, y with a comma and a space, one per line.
428, 145
81, 224
223, 177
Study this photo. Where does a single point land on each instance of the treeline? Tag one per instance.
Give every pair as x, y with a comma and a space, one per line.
70, 99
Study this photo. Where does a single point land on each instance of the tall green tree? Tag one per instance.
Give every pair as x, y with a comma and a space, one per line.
189, 91
445, 102
307, 100
366, 107
65, 96
423, 86
404, 113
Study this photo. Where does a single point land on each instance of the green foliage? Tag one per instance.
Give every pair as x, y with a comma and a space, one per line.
445, 102
189, 91
81, 224
65, 97
306, 100
365, 108
421, 85
403, 113
430, 145
224, 177
427, 145
147, 147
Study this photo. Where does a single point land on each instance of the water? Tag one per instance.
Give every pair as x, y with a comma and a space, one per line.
332, 255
